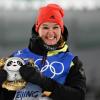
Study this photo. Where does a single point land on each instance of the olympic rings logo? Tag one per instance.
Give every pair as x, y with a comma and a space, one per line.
51, 67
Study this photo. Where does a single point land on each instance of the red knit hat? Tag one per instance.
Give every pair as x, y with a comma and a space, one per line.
50, 13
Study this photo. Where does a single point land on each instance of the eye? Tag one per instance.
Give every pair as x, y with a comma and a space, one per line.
45, 27
55, 27
9, 63
19, 63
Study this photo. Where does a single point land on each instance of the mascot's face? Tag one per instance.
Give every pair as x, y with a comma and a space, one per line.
13, 64
14, 80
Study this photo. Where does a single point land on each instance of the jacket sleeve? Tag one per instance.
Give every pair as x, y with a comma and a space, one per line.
75, 84
4, 93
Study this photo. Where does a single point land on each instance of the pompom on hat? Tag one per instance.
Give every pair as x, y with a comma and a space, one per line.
50, 13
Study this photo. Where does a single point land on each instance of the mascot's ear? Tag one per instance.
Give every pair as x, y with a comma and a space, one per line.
31, 62
2, 62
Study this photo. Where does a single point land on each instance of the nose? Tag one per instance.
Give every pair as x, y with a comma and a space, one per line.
50, 31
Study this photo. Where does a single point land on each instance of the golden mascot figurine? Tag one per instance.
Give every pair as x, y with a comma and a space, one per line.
14, 80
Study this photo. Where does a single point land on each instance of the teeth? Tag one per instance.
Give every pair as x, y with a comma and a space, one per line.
51, 38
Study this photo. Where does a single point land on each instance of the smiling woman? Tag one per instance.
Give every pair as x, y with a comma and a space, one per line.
50, 33
56, 71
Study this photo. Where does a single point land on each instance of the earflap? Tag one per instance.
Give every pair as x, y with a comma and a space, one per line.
65, 34
33, 32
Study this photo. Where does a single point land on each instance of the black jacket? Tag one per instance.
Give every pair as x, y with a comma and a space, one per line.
74, 87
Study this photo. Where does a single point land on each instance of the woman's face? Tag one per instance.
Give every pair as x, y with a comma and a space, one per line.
50, 33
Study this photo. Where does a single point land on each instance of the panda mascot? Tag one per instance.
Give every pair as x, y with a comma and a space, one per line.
14, 80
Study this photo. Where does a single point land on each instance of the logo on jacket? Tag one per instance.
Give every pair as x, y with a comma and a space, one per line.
30, 92
52, 69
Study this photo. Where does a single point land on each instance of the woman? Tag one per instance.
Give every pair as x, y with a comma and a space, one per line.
57, 73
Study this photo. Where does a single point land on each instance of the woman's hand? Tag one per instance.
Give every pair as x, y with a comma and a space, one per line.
3, 76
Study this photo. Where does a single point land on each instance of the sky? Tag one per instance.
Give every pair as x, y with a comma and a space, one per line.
35, 4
